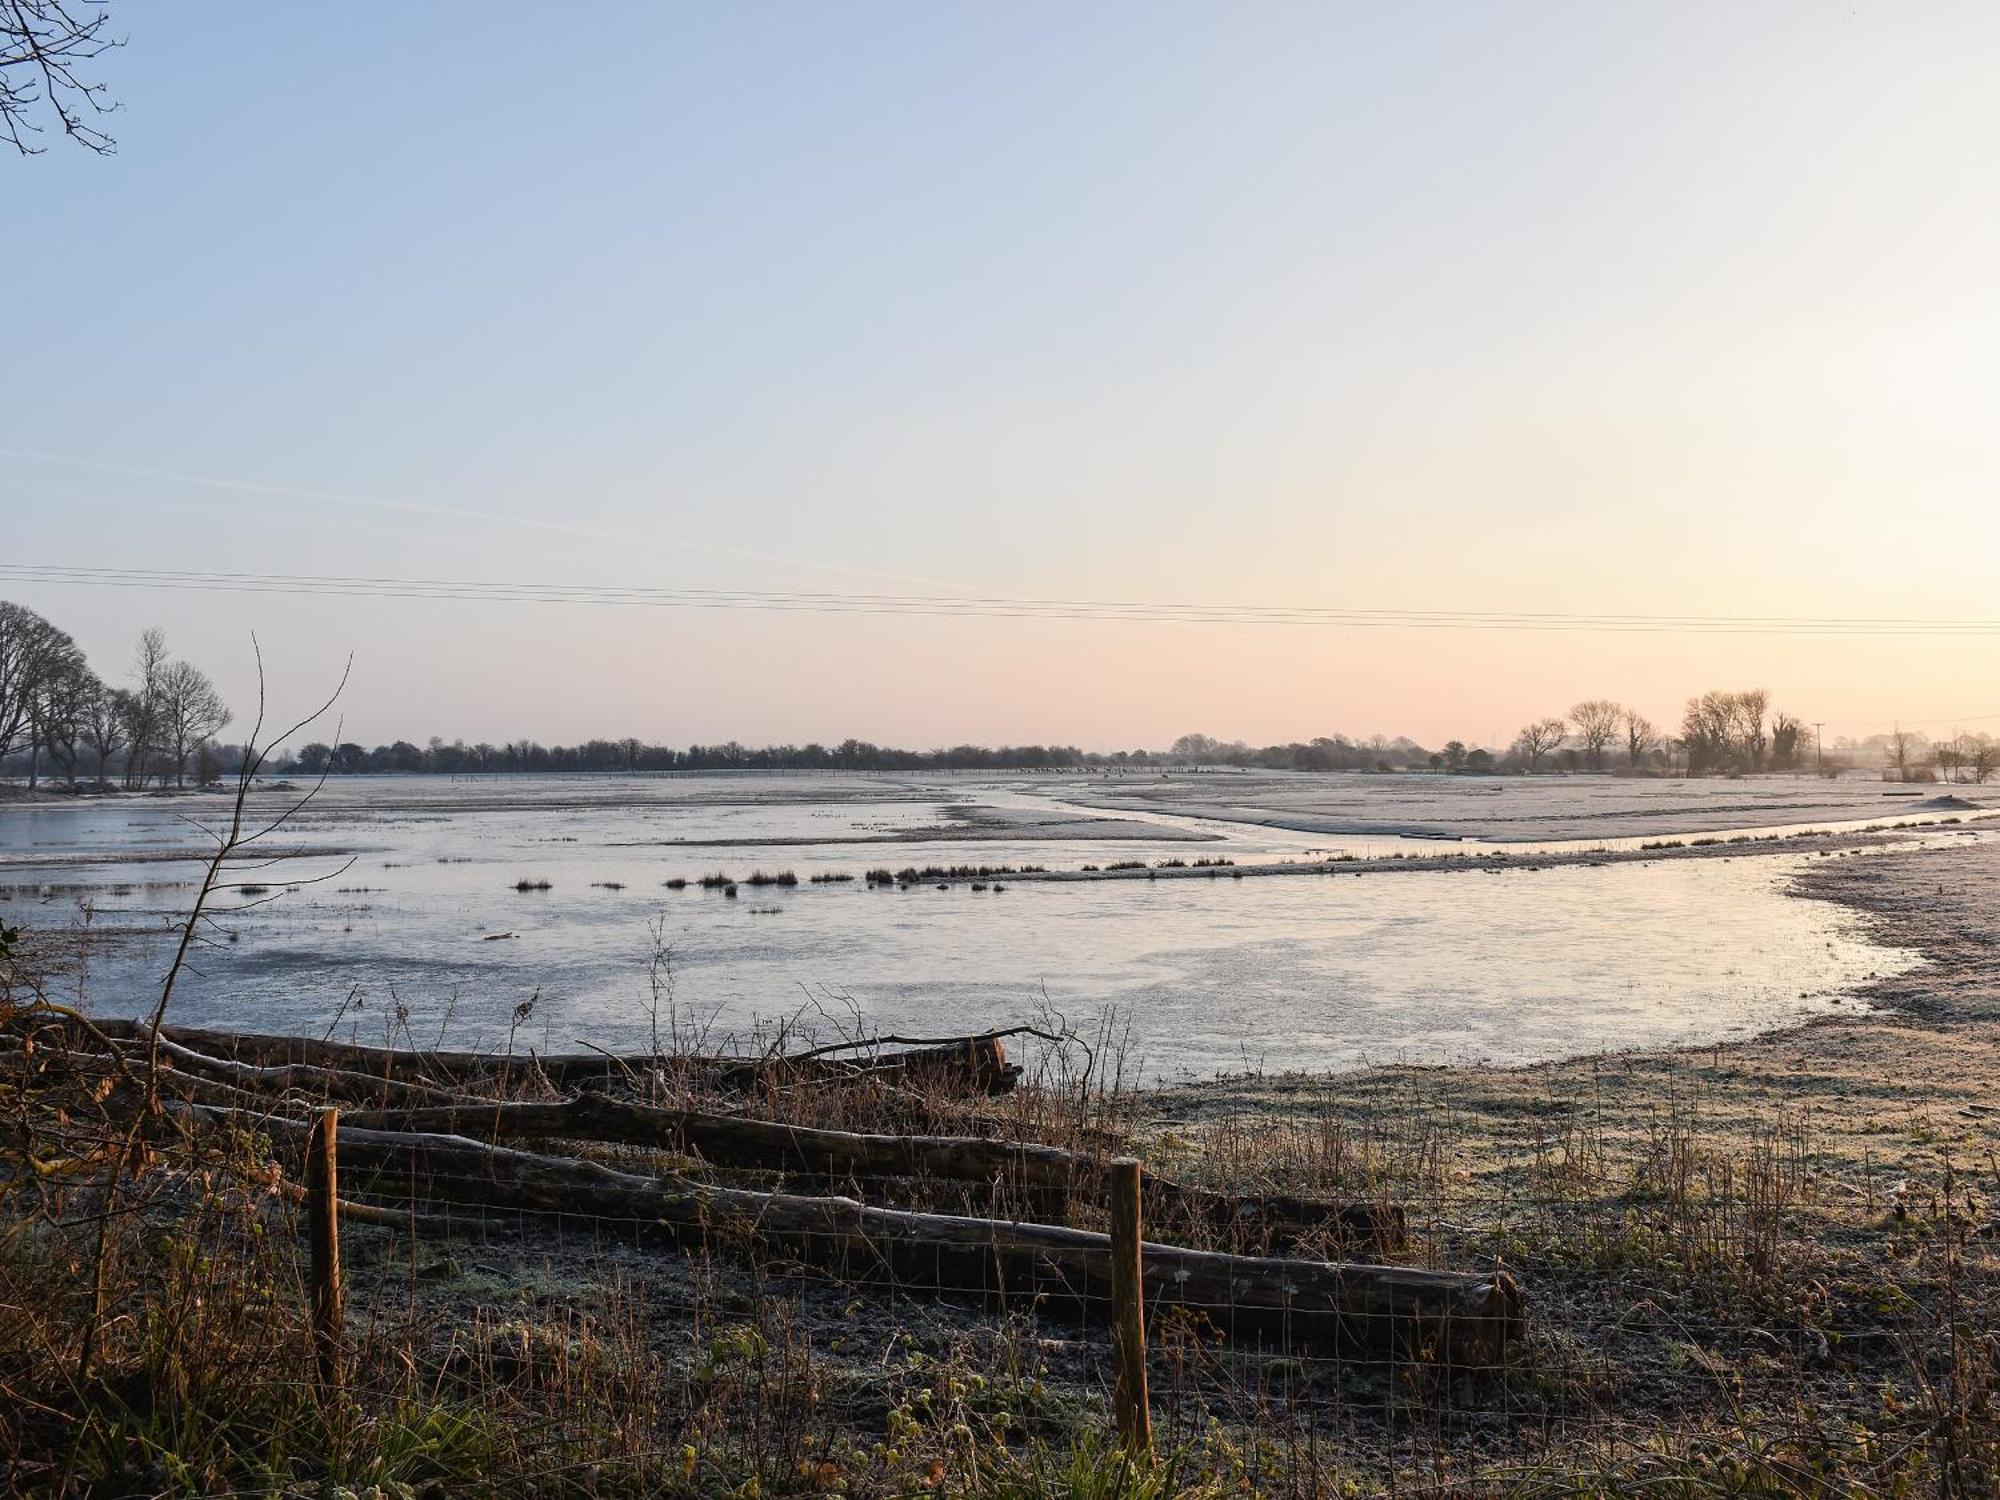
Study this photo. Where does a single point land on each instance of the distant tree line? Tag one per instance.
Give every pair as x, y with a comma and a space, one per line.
458, 758
1724, 733
59, 719
1334, 753
1906, 755
58, 716
1733, 733
1720, 732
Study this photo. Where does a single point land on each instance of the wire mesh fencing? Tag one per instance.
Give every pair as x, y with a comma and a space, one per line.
1341, 1294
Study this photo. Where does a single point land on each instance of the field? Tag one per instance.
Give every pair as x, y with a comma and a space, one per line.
1765, 1267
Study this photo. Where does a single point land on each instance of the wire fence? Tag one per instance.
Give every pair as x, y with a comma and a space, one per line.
1706, 1303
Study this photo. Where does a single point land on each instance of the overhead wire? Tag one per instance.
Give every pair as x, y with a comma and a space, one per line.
987, 606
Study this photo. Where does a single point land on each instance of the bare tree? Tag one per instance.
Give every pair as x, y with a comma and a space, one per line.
149, 666
56, 707
1705, 731
107, 718
1724, 731
1596, 721
1983, 759
42, 44
1751, 705
1536, 740
1640, 736
1905, 747
30, 648
1948, 756
1787, 736
232, 845
1193, 747
191, 710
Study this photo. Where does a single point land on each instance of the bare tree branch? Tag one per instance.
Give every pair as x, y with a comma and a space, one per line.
42, 42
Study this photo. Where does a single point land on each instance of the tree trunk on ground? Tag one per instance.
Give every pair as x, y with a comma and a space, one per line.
1040, 1177
975, 1064
1308, 1307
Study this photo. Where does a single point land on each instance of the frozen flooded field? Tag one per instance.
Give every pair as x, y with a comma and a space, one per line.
1306, 971
1513, 809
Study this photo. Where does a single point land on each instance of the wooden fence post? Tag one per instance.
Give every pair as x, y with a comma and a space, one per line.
323, 1236
1128, 1310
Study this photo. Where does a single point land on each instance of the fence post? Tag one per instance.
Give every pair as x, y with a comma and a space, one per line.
1128, 1310
323, 1237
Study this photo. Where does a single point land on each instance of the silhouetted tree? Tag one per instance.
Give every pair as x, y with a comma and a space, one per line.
107, 719
1709, 732
31, 651
1536, 740
1786, 732
191, 711
1984, 758
1640, 736
1750, 708
58, 705
1193, 747
149, 666
1596, 721
1905, 751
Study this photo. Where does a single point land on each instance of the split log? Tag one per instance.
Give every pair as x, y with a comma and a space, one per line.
1041, 1177
1304, 1306
189, 1075
404, 1220
976, 1064
318, 1082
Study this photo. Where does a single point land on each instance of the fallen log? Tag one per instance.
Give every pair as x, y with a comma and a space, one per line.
970, 1064
1042, 1177
1302, 1306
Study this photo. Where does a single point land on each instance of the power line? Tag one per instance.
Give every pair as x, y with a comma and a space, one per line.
990, 607
1953, 719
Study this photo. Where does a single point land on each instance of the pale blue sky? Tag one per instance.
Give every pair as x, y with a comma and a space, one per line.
1673, 309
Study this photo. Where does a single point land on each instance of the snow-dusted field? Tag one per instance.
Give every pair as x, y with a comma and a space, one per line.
1527, 808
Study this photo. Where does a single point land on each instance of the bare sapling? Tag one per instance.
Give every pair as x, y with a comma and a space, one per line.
234, 854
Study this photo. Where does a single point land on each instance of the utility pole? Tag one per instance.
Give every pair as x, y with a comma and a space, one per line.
1819, 745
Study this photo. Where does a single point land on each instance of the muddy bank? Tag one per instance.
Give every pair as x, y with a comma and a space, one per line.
190, 855
963, 823
1874, 836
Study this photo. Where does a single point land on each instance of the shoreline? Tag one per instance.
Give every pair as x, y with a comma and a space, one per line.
1924, 1042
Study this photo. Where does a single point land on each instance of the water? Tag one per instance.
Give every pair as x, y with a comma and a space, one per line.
415, 892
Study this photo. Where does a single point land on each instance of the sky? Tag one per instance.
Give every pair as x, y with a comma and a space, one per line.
1657, 310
